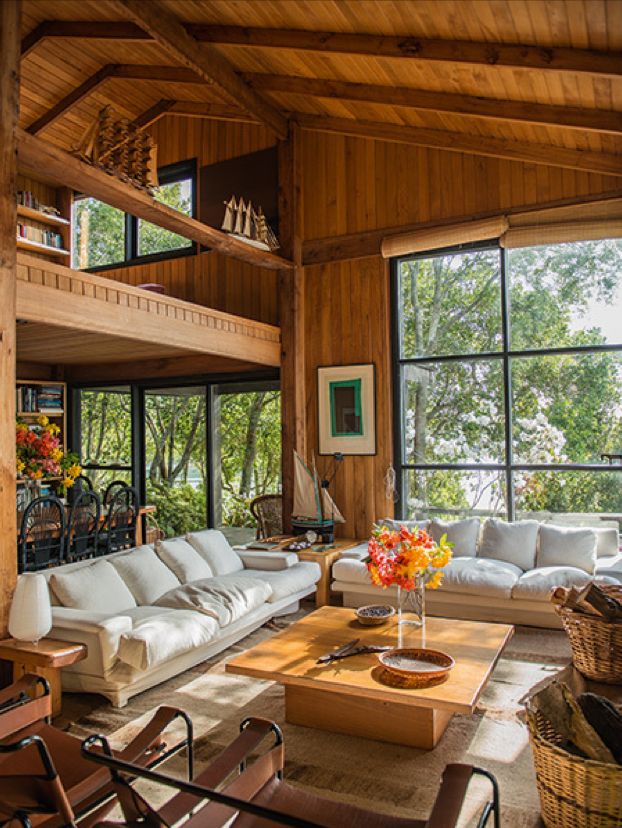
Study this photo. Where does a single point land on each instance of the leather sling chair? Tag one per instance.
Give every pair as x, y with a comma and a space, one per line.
45, 781
255, 795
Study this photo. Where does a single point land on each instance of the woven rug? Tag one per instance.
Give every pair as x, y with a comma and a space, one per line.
382, 777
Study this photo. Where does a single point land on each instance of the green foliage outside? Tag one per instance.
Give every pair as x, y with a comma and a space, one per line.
566, 408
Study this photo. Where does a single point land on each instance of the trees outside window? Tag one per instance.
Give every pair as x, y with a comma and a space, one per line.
509, 378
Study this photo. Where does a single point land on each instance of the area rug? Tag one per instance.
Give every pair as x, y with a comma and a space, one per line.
382, 777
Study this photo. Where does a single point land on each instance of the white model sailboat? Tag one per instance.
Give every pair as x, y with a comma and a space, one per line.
313, 507
245, 223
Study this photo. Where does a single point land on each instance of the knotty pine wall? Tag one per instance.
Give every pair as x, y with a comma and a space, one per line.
350, 185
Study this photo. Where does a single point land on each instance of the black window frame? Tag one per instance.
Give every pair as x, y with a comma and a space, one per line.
168, 174
506, 354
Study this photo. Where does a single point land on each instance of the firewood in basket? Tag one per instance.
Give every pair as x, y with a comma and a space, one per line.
597, 599
558, 705
606, 720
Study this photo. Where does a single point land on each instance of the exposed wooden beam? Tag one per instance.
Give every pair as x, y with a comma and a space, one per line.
35, 36
599, 120
149, 116
462, 142
368, 242
166, 74
74, 97
291, 316
206, 61
10, 14
515, 55
36, 155
180, 366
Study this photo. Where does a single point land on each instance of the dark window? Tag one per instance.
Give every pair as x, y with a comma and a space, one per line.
508, 378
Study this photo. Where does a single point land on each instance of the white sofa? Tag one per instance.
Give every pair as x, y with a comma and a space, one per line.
500, 571
147, 614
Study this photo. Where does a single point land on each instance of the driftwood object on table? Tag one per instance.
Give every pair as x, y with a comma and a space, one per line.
120, 148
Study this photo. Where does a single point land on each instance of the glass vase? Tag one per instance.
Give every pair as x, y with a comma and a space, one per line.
411, 605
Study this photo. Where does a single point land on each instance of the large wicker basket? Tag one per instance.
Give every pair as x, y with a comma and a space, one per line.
574, 792
596, 643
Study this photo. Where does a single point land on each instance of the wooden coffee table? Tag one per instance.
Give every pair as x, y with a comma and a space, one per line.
349, 696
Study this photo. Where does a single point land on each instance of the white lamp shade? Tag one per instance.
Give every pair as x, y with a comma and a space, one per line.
30, 617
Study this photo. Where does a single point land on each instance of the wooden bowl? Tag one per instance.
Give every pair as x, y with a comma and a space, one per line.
416, 662
374, 620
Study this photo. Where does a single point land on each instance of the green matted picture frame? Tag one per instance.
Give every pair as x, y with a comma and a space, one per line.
347, 409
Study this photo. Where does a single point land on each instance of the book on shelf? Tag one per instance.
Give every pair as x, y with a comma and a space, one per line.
35, 234
45, 399
27, 199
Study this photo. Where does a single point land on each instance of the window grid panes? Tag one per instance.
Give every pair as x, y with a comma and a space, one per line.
508, 378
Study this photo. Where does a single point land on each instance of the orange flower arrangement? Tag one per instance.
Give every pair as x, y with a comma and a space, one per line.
39, 453
406, 558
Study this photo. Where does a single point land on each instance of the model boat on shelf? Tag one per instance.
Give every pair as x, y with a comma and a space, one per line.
313, 509
245, 223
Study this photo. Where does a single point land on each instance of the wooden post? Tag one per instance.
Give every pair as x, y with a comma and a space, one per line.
291, 314
10, 11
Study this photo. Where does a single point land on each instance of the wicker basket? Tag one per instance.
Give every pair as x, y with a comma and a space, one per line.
596, 643
574, 792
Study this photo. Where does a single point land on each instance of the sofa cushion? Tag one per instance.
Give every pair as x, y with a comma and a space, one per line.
144, 573
160, 637
514, 543
463, 534
287, 582
184, 560
607, 541
351, 571
611, 566
536, 585
573, 546
97, 587
214, 548
393, 523
480, 576
270, 561
225, 598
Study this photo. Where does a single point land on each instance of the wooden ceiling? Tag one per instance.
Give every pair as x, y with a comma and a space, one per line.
436, 67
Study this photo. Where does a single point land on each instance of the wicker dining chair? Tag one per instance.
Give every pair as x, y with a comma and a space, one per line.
236, 793
83, 527
41, 541
268, 512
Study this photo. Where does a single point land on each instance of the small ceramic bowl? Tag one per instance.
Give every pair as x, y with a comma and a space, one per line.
413, 661
374, 614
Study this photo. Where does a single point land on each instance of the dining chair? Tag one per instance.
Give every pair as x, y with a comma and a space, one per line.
41, 541
268, 512
83, 527
119, 527
112, 489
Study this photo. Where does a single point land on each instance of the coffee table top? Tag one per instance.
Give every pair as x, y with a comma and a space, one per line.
290, 657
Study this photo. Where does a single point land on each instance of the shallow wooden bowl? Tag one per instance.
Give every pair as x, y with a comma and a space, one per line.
374, 620
416, 662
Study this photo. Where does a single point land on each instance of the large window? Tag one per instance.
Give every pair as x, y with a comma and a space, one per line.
508, 381
106, 237
200, 452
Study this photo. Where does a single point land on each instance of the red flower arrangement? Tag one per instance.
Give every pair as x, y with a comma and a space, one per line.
406, 558
40, 455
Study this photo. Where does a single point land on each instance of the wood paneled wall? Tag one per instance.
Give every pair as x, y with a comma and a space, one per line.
350, 185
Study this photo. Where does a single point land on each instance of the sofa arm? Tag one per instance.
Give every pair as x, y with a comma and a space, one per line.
101, 633
268, 561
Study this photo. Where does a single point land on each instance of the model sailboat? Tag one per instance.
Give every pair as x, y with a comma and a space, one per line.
245, 223
314, 509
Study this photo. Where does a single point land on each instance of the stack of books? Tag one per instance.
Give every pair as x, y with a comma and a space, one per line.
49, 237
41, 399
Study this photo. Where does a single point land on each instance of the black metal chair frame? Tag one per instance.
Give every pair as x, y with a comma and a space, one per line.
83, 527
117, 531
35, 553
109, 492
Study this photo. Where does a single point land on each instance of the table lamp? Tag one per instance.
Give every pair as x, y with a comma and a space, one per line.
30, 617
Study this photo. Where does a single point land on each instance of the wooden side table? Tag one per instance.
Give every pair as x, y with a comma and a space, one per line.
325, 555
46, 658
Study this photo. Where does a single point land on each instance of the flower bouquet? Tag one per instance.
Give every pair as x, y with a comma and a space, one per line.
410, 560
40, 456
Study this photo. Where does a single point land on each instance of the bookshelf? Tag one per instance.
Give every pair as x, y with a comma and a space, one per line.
31, 397
40, 231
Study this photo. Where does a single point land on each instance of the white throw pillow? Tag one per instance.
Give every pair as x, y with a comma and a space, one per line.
184, 560
97, 587
394, 524
512, 542
269, 561
214, 548
607, 541
462, 533
145, 574
225, 598
567, 546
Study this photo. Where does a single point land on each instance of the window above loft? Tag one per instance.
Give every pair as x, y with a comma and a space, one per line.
105, 237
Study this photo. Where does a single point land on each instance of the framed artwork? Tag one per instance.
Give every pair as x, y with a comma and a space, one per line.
347, 409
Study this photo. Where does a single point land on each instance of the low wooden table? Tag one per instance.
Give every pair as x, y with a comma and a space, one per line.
44, 659
349, 697
325, 555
